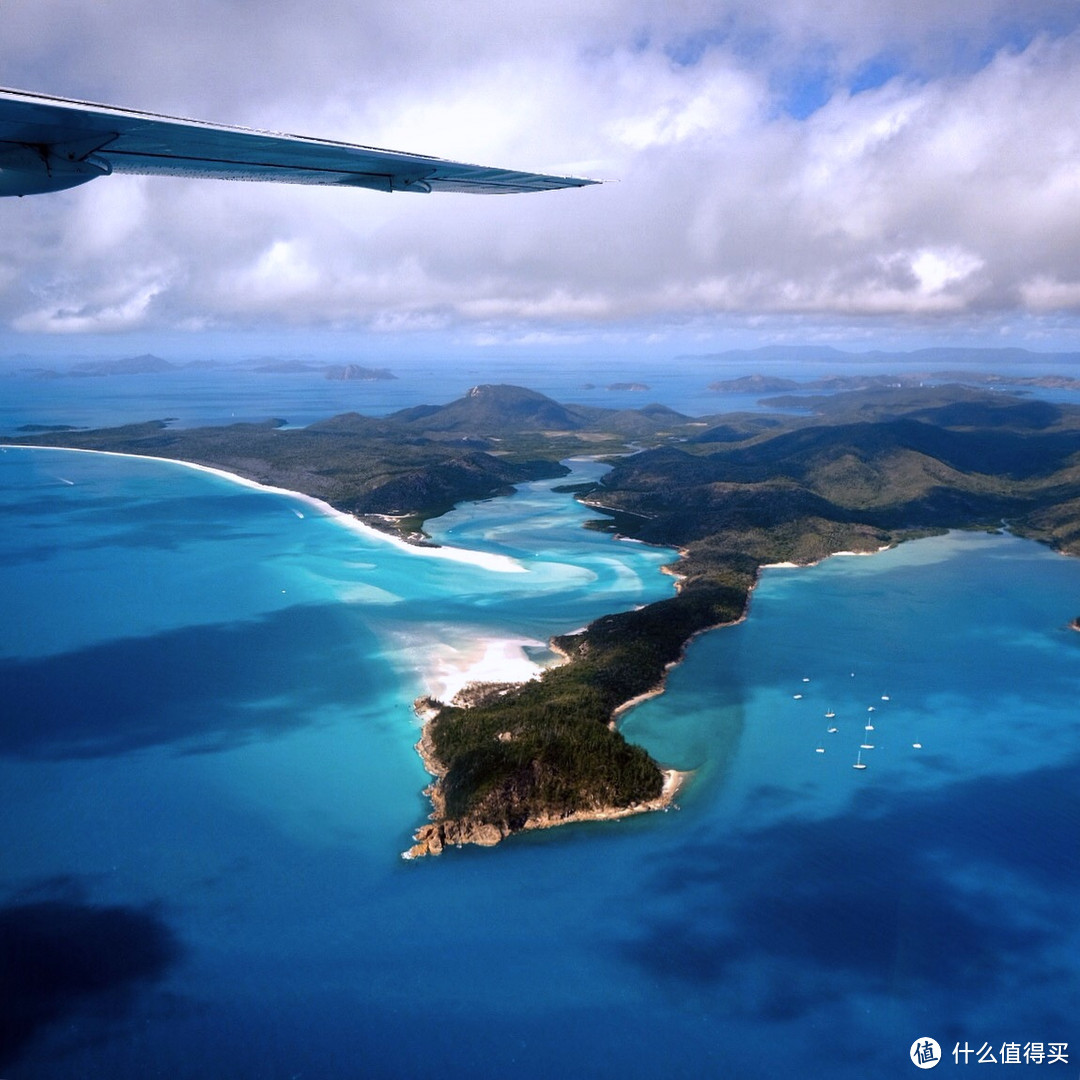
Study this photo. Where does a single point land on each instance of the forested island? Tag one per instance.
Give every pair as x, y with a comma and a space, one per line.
856, 471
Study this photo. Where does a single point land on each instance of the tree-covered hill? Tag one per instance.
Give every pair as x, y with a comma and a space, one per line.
871, 467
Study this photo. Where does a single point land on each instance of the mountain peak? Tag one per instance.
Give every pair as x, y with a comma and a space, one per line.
491, 407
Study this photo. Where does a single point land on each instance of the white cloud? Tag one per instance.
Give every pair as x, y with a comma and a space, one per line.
944, 185
1047, 294
939, 270
659, 104
126, 311
283, 271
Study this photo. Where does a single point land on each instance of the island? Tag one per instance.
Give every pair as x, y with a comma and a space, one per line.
854, 471
754, 384
147, 364
771, 384
357, 372
354, 372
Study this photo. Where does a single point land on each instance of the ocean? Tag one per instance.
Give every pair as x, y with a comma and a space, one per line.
208, 776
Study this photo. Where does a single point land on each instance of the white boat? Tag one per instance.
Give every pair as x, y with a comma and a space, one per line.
867, 746
832, 731
829, 715
859, 763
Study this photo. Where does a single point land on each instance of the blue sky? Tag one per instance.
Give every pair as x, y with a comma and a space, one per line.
865, 174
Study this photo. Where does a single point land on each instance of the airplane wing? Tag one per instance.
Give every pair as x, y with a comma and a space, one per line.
50, 143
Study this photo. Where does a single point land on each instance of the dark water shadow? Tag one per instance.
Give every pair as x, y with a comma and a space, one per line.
162, 524
963, 892
197, 688
66, 956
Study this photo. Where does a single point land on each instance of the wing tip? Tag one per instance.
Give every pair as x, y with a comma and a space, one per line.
229, 152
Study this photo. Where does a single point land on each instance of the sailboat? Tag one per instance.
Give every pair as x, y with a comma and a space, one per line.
859, 763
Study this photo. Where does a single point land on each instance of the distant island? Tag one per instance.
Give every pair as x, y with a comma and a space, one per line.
854, 471
147, 364
936, 358
357, 371
328, 371
754, 384
771, 384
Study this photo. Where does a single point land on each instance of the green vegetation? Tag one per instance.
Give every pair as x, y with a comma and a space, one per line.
870, 468
412, 465
854, 472
370, 468
539, 755
547, 749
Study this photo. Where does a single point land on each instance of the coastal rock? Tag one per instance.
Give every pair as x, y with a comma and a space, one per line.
431, 839
484, 835
428, 842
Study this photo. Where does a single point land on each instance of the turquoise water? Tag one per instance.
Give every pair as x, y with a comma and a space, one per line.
208, 776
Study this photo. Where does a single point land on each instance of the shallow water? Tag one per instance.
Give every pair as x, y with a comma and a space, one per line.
207, 772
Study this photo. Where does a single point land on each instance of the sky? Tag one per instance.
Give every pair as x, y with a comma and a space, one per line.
859, 173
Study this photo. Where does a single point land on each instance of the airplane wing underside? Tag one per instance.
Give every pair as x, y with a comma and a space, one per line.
49, 144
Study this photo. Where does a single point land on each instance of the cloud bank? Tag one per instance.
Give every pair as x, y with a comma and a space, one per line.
845, 165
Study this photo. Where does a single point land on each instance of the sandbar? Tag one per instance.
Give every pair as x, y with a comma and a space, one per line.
485, 660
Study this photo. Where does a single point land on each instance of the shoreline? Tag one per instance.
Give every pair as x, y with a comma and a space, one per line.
491, 660
660, 688
440, 833
817, 562
502, 564
488, 660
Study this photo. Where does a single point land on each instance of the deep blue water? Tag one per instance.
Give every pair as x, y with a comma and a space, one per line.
207, 775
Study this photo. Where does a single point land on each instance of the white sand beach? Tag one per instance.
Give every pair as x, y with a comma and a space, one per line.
502, 564
485, 660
